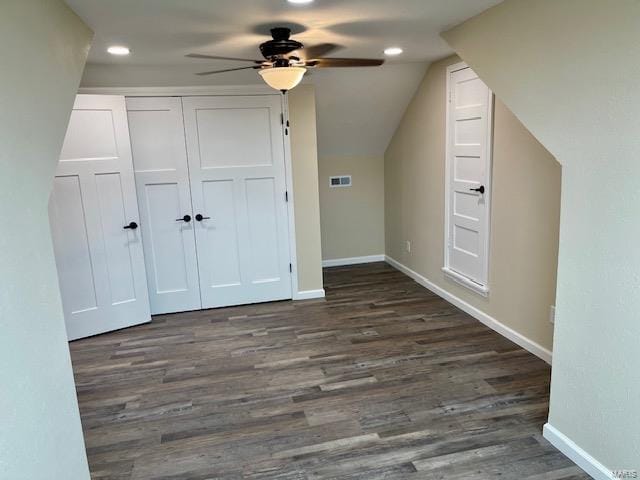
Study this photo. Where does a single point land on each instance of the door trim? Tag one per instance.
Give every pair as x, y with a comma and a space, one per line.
224, 90
482, 289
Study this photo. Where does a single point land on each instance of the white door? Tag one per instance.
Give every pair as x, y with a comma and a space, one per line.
94, 218
236, 164
162, 182
468, 175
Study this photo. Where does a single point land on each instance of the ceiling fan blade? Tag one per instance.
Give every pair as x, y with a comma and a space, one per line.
254, 67
315, 51
344, 62
215, 57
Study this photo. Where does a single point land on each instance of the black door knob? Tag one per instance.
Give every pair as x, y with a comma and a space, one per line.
186, 219
132, 226
479, 189
200, 217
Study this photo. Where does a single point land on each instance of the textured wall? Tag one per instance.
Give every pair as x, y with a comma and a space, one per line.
352, 218
43, 47
568, 69
304, 157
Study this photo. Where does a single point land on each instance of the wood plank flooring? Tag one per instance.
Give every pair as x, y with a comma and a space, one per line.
381, 380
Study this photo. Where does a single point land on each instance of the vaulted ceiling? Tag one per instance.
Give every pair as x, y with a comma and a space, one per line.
358, 109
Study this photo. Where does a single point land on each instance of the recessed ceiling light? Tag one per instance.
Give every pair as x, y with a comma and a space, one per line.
299, 1
118, 50
393, 51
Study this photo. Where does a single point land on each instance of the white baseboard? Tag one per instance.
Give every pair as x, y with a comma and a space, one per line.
338, 262
529, 345
309, 294
576, 454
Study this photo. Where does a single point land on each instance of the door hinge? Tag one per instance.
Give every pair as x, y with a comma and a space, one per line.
286, 196
290, 268
282, 119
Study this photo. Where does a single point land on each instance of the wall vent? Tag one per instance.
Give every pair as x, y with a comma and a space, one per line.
340, 181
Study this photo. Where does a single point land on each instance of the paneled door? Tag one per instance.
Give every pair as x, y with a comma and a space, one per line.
162, 182
468, 176
94, 222
236, 165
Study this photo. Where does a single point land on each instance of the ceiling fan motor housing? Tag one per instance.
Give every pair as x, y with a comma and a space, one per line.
280, 45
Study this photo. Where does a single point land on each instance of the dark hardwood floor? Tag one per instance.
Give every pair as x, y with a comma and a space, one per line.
382, 380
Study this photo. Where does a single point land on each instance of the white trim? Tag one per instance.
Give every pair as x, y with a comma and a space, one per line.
185, 91
529, 345
338, 262
576, 454
288, 167
481, 288
309, 294
227, 90
466, 282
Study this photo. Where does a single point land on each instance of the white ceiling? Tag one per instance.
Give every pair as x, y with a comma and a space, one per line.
358, 109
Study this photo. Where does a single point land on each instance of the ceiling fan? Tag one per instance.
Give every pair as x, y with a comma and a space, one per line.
287, 60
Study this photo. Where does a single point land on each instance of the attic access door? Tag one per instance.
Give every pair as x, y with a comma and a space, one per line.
94, 222
468, 178
236, 163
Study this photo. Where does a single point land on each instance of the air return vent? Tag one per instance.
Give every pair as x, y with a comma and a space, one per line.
341, 181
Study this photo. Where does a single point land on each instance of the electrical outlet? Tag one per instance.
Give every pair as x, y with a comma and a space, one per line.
552, 314
407, 246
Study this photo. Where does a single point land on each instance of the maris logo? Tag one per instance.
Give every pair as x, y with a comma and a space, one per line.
625, 474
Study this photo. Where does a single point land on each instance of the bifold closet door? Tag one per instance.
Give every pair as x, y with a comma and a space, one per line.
162, 182
236, 165
94, 219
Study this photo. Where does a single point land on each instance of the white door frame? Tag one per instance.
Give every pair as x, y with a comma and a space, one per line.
461, 279
241, 90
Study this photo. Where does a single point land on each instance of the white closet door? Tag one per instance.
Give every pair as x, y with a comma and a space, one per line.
162, 182
236, 165
94, 216
469, 175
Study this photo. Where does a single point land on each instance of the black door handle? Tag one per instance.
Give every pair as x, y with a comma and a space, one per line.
200, 217
479, 189
186, 219
132, 226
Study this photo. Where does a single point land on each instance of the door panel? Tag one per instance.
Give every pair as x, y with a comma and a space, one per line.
236, 166
263, 229
100, 264
70, 230
162, 182
228, 148
90, 136
165, 253
117, 255
221, 235
469, 168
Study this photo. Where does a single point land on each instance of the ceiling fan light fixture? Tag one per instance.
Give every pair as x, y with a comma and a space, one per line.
282, 78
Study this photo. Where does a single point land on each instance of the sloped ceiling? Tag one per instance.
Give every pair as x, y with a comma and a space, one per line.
358, 109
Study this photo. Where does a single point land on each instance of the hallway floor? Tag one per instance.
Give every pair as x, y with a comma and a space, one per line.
380, 380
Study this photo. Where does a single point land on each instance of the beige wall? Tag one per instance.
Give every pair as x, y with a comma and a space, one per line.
43, 47
524, 216
352, 218
304, 157
568, 69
